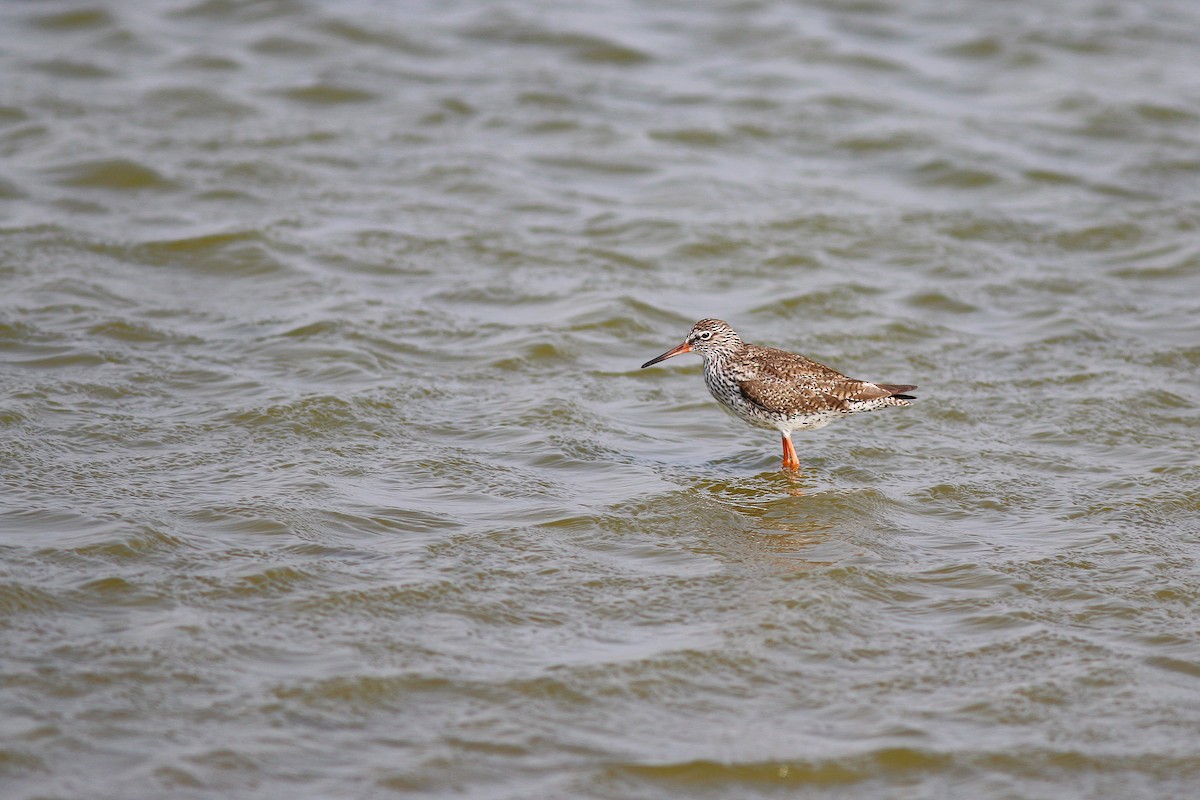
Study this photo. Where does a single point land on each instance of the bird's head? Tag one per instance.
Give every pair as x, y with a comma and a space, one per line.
708, 338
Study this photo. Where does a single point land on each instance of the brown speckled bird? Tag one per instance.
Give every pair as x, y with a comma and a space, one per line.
771, 388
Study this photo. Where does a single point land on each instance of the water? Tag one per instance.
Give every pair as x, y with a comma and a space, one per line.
328, 468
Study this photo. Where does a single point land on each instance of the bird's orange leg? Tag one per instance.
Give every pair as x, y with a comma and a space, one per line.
790, 459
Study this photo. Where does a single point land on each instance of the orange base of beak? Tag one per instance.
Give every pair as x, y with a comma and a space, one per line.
683, 348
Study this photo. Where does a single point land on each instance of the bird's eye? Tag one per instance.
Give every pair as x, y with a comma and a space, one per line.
706, 335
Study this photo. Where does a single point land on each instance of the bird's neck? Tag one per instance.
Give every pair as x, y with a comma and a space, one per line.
718, 357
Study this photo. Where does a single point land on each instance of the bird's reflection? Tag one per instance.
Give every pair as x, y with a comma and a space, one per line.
794, 519
758, 495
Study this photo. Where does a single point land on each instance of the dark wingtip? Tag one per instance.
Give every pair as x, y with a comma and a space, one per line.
898, 391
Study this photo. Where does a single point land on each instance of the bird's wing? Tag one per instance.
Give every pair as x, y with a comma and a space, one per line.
791, 383
788, 397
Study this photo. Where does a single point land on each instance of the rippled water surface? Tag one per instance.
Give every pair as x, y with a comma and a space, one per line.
328, 469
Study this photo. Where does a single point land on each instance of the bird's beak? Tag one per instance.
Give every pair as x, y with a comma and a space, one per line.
683, 348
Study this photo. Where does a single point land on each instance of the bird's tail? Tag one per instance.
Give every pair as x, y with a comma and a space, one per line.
898, 392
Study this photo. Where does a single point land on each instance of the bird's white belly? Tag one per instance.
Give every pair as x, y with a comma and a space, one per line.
760, 418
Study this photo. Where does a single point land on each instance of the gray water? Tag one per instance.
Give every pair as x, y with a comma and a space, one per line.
328, 469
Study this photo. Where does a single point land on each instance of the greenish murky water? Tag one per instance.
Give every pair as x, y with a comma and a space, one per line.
328, 469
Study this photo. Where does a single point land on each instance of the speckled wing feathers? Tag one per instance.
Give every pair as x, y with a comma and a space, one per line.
783, 382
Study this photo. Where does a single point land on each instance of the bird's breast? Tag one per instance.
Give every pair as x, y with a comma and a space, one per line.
725, 389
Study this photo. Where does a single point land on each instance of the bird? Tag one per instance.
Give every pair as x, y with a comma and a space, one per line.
775, 389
